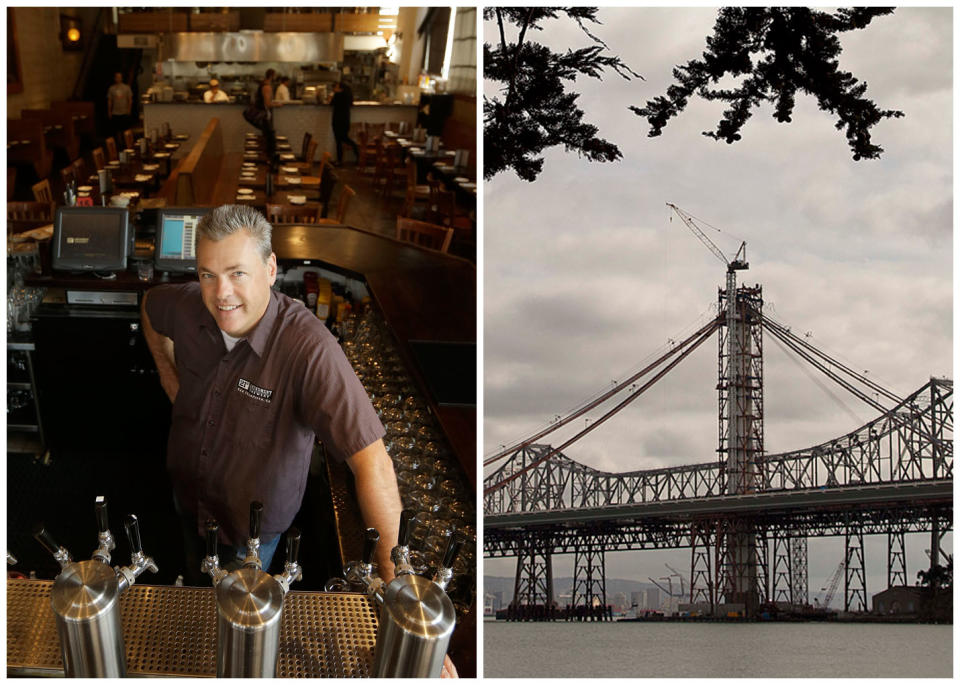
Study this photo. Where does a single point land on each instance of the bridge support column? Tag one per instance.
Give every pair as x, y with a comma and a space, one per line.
782, 570
533, 586
799, 583
854, 574
702, 585
738, 552
896, 560
589, 583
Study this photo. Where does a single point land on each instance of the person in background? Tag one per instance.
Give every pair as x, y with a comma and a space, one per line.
214, 94
119, 106
341, 102
283, 91
265, 102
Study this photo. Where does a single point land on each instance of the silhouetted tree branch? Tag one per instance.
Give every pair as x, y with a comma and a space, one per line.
534, 111
780, 51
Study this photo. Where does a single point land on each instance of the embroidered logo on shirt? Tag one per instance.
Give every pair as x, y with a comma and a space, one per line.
250, 390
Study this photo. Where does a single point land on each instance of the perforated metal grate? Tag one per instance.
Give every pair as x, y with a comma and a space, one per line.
172, 631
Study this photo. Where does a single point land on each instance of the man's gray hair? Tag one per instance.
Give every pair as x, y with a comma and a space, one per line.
229, 219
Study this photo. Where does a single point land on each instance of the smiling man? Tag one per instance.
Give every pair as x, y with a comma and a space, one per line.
254, 377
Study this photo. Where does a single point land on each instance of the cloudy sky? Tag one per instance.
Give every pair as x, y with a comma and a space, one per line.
586, 276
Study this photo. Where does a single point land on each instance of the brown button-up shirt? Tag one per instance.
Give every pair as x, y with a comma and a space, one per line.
244, 422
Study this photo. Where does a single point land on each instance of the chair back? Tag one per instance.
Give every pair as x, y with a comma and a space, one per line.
424, 234
128, 140
345, 195
69, 174
293, 214
80, 170
99, 160
305, 147
29, 211
310, 152
33, 150
111, 149
42, 192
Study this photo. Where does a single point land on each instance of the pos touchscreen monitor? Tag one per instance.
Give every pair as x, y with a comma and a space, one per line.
177, 239
91, 239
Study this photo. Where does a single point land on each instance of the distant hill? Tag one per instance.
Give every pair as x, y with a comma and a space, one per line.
493, 584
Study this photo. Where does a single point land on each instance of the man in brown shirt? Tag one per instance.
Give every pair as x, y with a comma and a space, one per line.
253, 377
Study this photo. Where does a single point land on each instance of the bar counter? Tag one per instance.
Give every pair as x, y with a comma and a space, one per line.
291, 120
172, 631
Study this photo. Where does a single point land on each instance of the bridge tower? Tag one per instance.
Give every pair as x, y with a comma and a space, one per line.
740, 387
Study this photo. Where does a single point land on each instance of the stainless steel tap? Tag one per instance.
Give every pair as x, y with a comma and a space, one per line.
416, 616
86, 600
250, 603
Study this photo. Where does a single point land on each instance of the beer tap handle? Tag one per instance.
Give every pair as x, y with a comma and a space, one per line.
404, 533
133, 535
400, 555
44, 538
100, 509
453, 549
293, 545
213, 529
256, 514
127, 575
370, 540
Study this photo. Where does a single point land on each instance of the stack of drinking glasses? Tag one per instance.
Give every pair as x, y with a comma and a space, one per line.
430, 479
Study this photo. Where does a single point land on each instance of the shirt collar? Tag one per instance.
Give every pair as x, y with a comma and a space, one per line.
258, 338
261, 332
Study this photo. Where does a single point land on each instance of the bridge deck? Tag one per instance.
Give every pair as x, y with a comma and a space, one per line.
768, 502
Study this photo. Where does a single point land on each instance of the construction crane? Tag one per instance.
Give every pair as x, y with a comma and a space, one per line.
739, 261
832, 585
678, 575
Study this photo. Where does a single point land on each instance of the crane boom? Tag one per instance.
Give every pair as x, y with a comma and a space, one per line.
737, 264
834, 582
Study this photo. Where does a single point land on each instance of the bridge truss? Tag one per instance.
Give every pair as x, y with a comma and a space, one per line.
746, 516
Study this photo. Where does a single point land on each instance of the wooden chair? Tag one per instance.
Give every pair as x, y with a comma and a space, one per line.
424, 234
128, 140
80, 171
111, 149
30, 211
304, 148
99, 160
42, 192
415, 192
293, 214
307, 163
390, 168
69, 174
342, 203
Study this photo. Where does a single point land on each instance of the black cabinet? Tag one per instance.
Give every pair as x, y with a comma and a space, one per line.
24, 427
98, 386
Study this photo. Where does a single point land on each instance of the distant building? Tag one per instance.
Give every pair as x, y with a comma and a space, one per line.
651, 598
908, 600
636, 600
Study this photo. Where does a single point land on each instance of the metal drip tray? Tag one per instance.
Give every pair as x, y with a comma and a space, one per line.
172, 631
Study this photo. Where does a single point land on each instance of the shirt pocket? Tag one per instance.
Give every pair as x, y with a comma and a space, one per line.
252, 421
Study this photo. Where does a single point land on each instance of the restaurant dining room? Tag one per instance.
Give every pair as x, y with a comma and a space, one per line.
241, 326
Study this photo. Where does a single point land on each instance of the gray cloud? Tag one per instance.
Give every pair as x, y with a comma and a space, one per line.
586, 276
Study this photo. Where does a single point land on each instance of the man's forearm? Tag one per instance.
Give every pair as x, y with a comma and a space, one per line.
161, 347
379, 500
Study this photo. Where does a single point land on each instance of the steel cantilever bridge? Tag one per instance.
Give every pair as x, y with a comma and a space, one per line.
746, 516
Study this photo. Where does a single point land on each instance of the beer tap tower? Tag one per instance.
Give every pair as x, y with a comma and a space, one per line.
250, 603
86, 600
417, 617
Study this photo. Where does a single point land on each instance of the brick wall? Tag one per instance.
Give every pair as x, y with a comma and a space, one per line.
48, 72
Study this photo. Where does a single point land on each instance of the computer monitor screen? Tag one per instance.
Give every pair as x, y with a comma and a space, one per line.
177, 239
91, 238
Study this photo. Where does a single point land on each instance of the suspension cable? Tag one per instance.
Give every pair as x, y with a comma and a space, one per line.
710, 326
876, 387
705, 332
